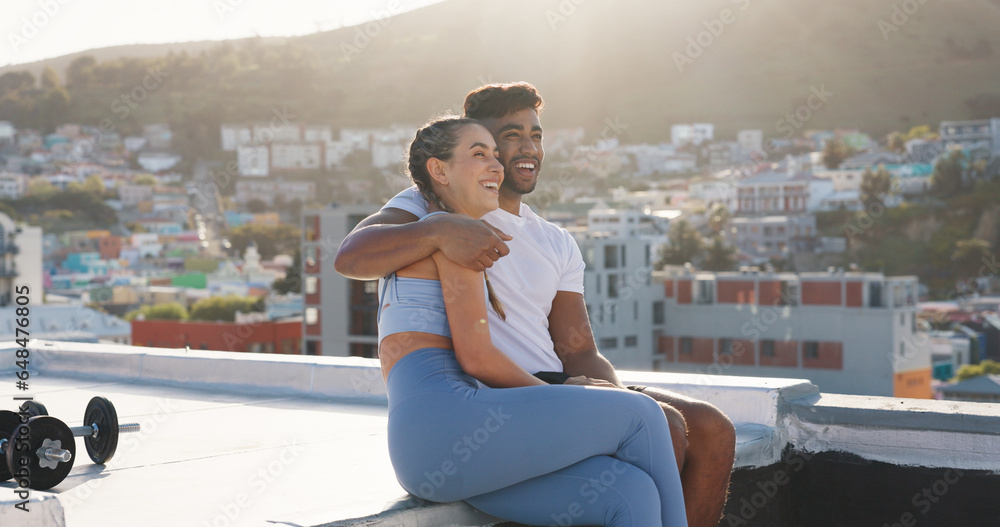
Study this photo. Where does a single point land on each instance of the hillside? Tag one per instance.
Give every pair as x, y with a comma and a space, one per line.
616, 61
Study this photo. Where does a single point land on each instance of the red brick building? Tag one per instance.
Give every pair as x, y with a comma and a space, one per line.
283, 337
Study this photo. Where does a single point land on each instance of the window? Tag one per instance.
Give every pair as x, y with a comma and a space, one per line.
658, 312
610, 257
353, 220
360, 349
875, 294
312, 316
623, 256
311, 282
705, 291
631, 341
312, 228
767, 348
687, 346
612, 286
725, 346
789, 295
363, 308
810, 350
313, 347
609, 343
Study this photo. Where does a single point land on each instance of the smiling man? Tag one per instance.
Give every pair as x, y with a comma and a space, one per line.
541, 285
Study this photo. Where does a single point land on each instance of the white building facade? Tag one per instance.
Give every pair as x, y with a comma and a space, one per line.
851, 333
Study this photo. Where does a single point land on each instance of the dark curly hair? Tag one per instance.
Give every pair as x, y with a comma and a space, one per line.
494, 101
438, 139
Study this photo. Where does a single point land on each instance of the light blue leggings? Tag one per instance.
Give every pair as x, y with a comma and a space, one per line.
540, 455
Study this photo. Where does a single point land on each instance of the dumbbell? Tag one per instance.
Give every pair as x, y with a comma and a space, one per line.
52, 443
34, 408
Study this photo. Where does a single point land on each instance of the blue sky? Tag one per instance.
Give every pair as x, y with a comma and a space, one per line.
37, 29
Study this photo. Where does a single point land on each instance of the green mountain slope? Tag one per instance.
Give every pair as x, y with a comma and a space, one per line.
618, 61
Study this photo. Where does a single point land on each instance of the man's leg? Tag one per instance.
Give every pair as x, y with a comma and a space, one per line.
708, 461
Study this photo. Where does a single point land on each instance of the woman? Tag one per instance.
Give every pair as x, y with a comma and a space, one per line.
536, 454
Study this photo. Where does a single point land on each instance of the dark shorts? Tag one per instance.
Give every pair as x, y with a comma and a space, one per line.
558, 377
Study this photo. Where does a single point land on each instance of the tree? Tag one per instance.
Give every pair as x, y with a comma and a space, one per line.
292, 282
720, 256
148, 180
718, 218
270, 239
921, 132
80, 72
968, 371
896, 142
835, 152
224, 308
50, 79
968, 257
875, 186
256, 206
40, 186
167, 311
685, 245
946, 180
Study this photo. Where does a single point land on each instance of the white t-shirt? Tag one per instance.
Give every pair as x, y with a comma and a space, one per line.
543, 259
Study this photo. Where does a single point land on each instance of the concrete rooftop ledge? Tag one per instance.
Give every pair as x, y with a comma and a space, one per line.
914, 432
351, 378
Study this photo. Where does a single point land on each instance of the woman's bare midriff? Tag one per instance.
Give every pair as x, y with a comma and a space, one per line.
395, 347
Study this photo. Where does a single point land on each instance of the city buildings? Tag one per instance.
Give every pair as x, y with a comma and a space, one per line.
968, 135
851, 333
617, 247
20, 261
691, 134
339, 315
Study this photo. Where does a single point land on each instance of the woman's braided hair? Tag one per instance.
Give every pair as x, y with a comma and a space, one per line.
438, 140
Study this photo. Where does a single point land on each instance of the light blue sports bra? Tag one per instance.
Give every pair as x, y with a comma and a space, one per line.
411, 304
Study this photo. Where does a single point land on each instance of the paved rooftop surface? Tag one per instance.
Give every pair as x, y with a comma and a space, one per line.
215, 458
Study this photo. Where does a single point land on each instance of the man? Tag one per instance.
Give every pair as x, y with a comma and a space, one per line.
547, 327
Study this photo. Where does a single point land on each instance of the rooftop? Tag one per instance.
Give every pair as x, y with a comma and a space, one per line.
247, 439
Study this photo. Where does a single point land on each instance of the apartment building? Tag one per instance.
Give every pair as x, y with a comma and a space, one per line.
339, 314
617, 247
852, 333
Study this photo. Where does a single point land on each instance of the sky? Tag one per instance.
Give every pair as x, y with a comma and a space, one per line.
38, 29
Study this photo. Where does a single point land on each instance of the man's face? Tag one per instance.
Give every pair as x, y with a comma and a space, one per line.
519, 139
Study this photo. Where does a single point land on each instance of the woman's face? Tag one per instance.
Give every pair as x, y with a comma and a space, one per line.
473, 173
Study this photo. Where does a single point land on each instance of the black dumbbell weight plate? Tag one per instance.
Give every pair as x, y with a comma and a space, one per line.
34, 408
40, 429
100, 411
8, 422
